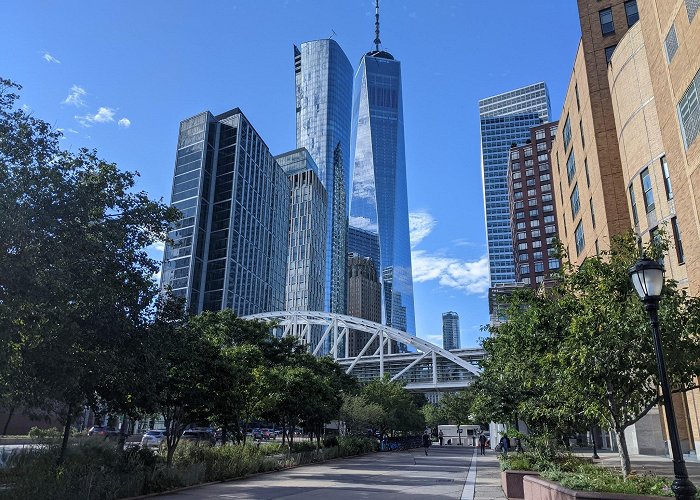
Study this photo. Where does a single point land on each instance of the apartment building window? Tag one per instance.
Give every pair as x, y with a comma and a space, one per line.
553, 131
518, 195
590, 203
520, 225
534, 213
516, 175
575, 203
530, 171
548, 208
514, 155
529, 163
522, 246
647, 190
531, 182
523, 257
547, 197
549, 219
521, 236
532, 202
539, 267
566, 134
535, 233
517, 185
667, 178
544, 177
541, 146
531, 192
671, 44
528, 152
607, 26
580, 240
519, 215
570, 167
550, 229
632, 12
546, 187
539, 135
689, 111
692, 6
535, 223
519, 204
526, 281
543, 167
583, 139
633, 201
537, 255
537, 244
677, 240
585, 167
524, 269
553, 263
609, 52
578, 101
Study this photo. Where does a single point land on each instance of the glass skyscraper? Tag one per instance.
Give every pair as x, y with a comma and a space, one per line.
306, 261
229, 249
378, 199
323, 77
364, 243
506, 119
450, 330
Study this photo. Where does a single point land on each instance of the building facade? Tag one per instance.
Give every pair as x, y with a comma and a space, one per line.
587, 171
378, 201
229, 249
654, 77
365, 243
323, 78
450, 331
506, 119
364, 299
533, 208
306, 260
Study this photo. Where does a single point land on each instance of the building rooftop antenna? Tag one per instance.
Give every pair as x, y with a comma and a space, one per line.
377, 41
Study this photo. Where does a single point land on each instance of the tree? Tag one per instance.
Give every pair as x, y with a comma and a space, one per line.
75, 280
400, 412
457, 407
359, 414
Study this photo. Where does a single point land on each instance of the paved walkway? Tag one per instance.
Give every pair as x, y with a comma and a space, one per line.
406, 475
488, 477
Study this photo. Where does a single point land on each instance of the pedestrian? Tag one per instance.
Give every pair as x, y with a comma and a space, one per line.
505, 444
482, 444
426, 442
518, 446
441, 436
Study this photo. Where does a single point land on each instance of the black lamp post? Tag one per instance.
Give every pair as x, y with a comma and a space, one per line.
648, 279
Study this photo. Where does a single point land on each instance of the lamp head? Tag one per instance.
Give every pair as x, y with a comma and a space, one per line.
648, 279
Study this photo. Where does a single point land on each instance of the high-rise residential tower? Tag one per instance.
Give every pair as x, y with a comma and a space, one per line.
323, 76
364, 300
378, 199
506, 119
229, 249
450, 330
533, 207
306, 261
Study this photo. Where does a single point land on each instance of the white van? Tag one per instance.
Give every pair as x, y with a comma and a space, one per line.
468, 436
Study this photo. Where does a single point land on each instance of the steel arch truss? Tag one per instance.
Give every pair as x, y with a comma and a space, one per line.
429, 368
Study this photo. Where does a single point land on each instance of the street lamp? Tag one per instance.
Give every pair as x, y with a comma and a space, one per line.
648, 279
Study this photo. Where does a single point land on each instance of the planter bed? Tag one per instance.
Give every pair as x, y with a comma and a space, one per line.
536, 488
512, 482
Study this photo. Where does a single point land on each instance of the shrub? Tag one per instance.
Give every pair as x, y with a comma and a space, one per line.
224, 462
302, 446
330, 441
45, 436
590, 477
356, 445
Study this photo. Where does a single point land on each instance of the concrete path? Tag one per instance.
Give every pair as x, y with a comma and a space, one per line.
406, 475
488, 477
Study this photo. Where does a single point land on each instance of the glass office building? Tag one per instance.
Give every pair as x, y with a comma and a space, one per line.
229, 249
378, 199
306, 260
364, 243
450, 330
323, 77
506, 119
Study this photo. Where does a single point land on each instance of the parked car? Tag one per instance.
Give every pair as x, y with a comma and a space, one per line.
257, 433
153, 439
103, 431
198, 437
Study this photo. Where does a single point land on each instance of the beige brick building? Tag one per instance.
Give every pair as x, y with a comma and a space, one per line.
627, 154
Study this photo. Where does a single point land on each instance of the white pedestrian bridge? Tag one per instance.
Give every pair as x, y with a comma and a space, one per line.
383, 350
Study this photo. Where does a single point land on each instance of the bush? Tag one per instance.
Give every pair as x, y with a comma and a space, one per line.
590, 477
356, 445
330, 441
302, 446
225, 462
45, 436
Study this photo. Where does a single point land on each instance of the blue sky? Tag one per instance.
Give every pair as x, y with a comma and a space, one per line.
119, 77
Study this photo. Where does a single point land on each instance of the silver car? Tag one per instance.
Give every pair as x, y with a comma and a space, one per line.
153, 439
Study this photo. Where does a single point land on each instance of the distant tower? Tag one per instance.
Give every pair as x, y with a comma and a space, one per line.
450, 330
378, 199
364, 299
323, 78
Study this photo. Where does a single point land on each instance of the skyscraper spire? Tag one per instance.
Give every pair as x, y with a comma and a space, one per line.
377, 41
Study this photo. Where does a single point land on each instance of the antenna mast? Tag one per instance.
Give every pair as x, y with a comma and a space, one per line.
377, 41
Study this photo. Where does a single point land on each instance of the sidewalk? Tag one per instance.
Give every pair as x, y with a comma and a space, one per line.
400, 475
488, 477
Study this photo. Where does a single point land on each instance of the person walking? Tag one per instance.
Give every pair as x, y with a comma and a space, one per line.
441, 436
505, 443
482, 444
426, 442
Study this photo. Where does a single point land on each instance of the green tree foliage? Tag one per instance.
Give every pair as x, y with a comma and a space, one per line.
75, 280
400, 412
581, 352
359, 415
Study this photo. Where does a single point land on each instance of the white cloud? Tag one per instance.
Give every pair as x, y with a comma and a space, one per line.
103, 115
26, 108
50, 59
363, 223
73, 131
471, 277
435, 339
420, 225
124, 123
75, 97
158, 246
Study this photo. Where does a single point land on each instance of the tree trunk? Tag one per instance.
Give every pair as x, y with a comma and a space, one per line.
284, 431
123, 429
622, 450
66, 433
7, 422
224, 432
